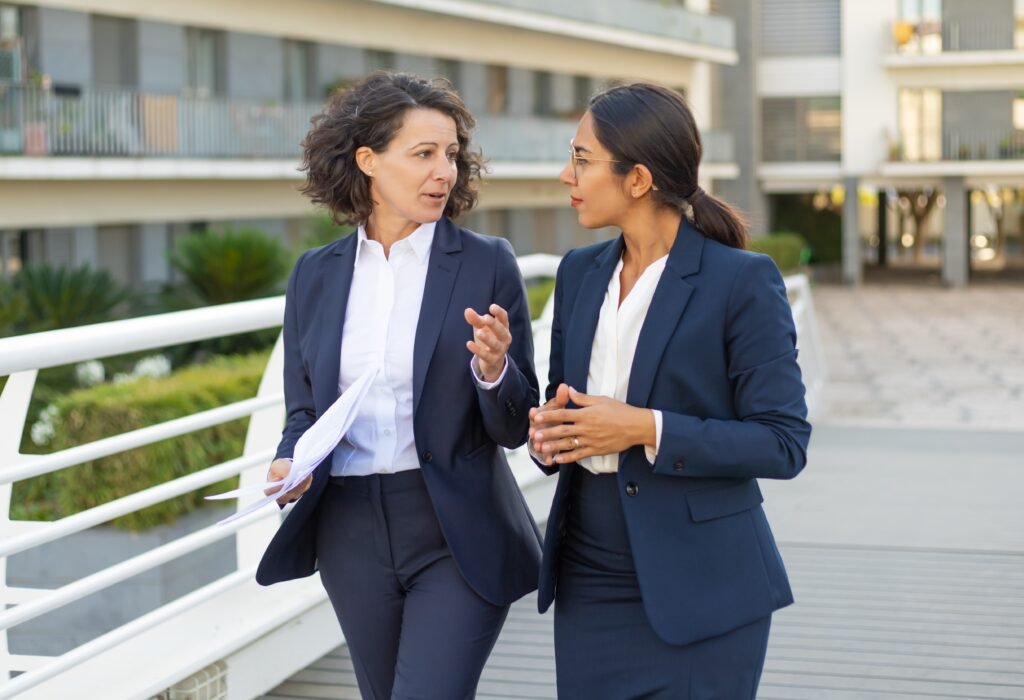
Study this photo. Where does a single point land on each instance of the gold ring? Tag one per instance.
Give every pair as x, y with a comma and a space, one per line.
576, 441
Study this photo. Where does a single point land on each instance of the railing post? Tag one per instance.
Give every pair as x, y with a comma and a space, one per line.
14, 402
263, 434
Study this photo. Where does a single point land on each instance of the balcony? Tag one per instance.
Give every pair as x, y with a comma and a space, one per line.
665, 27
935, 145
931, 37
124, 124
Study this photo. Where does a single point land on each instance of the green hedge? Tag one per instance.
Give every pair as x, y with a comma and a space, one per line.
789, 250
537, 293
109, 409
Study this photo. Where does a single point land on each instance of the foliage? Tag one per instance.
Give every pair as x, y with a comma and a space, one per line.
12, 308
321, 230
230, 265
537, 293
821, 228
60, 297
103, 410
789, 250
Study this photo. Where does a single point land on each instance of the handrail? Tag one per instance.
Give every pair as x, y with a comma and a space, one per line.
24, 356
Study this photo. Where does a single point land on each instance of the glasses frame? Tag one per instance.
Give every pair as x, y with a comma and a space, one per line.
574, 160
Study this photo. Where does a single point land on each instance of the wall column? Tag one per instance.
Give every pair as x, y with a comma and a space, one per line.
851, 235
955, 262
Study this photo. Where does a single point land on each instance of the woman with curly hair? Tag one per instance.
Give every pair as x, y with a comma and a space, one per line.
415, 522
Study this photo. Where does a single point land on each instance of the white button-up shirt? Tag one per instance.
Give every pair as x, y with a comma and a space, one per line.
615, 340
380, 328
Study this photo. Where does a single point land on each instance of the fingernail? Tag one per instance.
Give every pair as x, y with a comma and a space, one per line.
540, 436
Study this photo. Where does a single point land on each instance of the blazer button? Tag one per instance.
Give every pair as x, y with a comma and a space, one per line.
679, 465
427, 457
632, 489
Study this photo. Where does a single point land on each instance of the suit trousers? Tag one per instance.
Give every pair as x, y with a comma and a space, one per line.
414, 628
605, 647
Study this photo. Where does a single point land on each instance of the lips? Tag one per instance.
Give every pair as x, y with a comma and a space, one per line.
575, 201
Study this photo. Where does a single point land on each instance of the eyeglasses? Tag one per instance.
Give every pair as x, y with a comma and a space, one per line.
575, 160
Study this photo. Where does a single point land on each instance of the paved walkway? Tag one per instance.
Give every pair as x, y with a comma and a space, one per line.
904, 537
910, 356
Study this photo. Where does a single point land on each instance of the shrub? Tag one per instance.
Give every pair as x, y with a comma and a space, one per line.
59, 297
537, 293
789, 250
233, 265
108, 409
321, 230
12, 308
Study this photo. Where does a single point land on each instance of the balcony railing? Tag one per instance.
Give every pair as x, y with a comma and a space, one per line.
35, 122
667, 19
932, 145
547, 140
938, 36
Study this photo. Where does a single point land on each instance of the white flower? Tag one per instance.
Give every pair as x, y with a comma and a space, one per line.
43, 430
89, 373
152, 366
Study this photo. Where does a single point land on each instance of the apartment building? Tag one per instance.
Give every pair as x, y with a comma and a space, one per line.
125, 124
858, 119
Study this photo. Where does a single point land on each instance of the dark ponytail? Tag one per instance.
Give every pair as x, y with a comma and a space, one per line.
648, 124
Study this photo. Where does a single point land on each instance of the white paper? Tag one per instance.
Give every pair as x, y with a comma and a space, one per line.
311, 449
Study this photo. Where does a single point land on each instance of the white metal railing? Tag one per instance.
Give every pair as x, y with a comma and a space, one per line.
22, 357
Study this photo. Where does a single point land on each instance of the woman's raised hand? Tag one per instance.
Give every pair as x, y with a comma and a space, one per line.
491, 341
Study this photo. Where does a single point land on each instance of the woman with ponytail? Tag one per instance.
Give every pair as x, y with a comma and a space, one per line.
673, 387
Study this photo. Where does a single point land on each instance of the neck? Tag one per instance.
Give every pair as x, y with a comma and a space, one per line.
388, 230
649, 236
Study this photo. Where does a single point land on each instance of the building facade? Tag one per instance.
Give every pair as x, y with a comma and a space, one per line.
125, 124
890, 132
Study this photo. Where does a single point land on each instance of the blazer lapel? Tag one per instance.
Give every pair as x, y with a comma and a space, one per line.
579, 331
442, 271
335, 286
667, 306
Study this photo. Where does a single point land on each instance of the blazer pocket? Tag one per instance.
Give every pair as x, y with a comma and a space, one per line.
717, 502
478, 452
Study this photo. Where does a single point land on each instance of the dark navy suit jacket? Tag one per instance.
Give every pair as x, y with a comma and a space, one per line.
717, 356
459, 428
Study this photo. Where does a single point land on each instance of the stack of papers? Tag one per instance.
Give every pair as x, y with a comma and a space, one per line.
311, 449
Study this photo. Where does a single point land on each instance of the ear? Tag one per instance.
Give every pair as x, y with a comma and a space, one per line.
640, 181
366, 159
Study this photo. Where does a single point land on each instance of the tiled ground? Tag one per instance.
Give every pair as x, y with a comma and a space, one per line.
923, 357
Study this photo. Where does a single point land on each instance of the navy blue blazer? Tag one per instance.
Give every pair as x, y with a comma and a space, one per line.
717, 356
459, 428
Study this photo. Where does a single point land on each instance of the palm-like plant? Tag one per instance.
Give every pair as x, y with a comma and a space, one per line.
59, 297
233, 265
12, 308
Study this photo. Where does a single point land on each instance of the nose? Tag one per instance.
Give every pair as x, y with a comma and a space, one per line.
566, 176
444, 169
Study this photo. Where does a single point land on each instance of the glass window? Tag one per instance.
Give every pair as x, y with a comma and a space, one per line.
581, 92
497, 89
203, 47
920, 125
801, 129
298, 71
10, 23
379, 60
449, 70
542, 103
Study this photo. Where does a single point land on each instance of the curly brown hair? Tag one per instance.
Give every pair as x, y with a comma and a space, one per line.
369, 114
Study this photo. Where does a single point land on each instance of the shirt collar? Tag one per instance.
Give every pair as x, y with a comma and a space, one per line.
419, 240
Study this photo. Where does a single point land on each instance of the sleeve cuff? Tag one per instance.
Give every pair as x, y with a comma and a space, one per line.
486, 386
652, 452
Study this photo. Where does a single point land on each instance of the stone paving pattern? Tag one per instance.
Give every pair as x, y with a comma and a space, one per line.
918, 357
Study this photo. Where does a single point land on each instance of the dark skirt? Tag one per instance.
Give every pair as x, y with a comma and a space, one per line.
605, 647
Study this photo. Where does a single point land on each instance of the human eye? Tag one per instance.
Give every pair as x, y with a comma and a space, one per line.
424, 153
453, 156
581, 161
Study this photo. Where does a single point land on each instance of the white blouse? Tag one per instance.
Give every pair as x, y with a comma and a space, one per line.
615, 340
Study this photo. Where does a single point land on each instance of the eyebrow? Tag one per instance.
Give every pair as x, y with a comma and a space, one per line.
584, 149
432, 143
